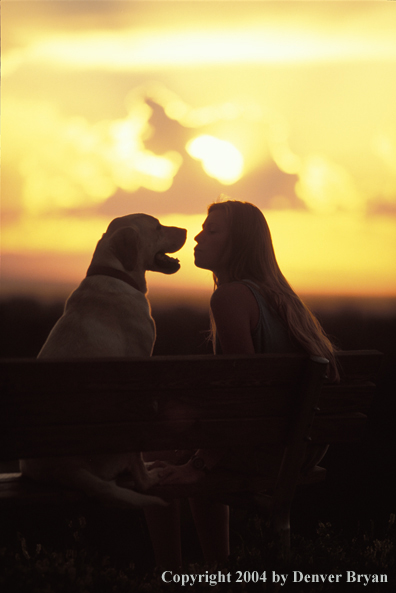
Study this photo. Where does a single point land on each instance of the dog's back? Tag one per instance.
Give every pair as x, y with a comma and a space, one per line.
103, 317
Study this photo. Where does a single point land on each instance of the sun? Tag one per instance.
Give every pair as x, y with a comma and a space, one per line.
220, 158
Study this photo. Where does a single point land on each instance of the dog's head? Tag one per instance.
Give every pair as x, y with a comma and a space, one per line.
141, 241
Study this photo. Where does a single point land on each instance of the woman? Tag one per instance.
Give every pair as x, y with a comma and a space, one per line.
253, 309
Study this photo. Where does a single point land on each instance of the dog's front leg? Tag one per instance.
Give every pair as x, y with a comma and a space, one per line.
106, 491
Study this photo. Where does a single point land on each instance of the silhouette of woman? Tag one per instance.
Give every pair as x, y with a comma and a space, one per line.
253, 309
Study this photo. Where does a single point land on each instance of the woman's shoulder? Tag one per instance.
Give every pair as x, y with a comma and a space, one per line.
230, 290
234, 296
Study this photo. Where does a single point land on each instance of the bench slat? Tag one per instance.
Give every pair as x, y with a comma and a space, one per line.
89, 407
342, 428
174, 372
359, 364
81, 439
346, 397
30, 442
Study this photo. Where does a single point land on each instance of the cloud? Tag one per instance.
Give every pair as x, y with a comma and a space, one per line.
326, 187
132, 36
67, 162
147, 158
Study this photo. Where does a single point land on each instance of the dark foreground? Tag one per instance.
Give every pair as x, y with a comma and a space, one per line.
344, 526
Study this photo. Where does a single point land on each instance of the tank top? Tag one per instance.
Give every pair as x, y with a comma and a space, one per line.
270, 334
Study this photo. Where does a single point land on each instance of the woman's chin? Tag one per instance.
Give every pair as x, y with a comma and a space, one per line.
200, 264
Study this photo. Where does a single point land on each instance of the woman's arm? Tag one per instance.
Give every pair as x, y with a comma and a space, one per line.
236, 314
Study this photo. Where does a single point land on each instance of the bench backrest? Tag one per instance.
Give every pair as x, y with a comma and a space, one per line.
113, 405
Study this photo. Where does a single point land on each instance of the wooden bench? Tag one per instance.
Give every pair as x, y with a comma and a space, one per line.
184, 402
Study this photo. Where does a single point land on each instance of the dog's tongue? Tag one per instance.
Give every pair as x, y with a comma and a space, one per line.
165, 262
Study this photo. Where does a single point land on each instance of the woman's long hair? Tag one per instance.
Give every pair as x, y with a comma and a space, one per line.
251, 256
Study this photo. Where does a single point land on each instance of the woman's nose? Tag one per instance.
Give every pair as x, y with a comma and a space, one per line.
196, 238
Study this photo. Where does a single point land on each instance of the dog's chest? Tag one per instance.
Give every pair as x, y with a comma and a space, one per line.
139, 333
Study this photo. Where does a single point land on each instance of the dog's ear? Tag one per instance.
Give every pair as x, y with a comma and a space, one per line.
124, 245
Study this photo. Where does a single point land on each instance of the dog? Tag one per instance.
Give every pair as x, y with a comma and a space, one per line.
109, 315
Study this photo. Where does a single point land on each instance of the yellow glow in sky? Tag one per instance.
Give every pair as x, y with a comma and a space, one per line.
220, 159
112, 108
309, 248
153, 48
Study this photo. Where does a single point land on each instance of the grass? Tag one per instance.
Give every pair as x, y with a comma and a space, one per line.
75, 565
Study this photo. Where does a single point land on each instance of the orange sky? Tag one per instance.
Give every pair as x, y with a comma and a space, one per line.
115, 107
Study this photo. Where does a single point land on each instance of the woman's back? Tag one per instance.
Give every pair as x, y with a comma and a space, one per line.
270, 335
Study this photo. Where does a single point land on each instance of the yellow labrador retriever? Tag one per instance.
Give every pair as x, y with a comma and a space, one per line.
109, 315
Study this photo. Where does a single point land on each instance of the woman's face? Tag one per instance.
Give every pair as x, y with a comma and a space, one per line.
211, 249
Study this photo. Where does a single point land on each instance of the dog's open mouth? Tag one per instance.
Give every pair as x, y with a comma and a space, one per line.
166, 264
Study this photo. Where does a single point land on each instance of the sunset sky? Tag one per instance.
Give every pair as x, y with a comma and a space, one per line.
110, 108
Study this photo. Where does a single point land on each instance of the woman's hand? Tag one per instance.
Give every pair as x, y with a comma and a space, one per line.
154, 471
180, 474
